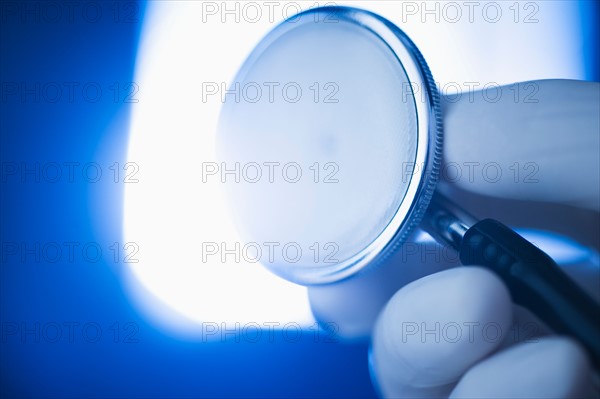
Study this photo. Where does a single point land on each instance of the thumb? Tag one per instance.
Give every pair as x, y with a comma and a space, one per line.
353, 305
536, 141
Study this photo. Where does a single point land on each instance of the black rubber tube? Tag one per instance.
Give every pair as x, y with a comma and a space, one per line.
535, 282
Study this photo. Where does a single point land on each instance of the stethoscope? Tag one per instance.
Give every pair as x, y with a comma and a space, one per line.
329, 100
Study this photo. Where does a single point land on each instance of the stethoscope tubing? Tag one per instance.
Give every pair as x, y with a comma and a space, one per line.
533, 279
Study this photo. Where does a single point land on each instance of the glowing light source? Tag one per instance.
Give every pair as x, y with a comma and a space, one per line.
170, 212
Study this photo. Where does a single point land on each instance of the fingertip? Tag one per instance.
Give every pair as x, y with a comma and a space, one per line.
435, 328
354, 304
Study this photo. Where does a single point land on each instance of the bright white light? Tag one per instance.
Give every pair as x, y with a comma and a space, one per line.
170, 212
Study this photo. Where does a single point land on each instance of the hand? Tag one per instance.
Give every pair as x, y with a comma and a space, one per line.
530, 161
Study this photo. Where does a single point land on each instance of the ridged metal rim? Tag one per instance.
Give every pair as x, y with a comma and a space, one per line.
429, 144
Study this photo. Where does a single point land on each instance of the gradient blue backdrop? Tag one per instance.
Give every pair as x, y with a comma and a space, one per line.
81, 292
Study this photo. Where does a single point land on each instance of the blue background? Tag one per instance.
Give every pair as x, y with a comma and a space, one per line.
31, 291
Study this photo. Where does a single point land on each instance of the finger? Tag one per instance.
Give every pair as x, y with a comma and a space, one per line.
354, 304
434, 329
578, 224
534, 141
552, 367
